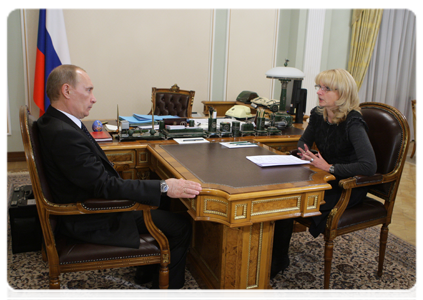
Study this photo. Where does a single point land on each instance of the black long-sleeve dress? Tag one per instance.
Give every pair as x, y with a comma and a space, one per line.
346, 146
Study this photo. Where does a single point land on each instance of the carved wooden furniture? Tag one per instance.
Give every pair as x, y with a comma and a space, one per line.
232, 223
66, 256
173, 101
234, 213
413, 107
221, 107
389, 134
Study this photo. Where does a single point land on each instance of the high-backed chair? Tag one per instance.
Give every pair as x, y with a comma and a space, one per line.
64, 255
389, 135
415, 105
173, 101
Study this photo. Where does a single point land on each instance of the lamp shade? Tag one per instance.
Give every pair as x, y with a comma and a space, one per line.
285, 73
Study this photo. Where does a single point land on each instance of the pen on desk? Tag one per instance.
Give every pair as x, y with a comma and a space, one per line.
192, 140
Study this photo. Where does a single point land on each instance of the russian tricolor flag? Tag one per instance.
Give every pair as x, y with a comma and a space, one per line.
52, 51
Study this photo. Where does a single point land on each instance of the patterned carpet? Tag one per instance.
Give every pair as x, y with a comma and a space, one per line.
354, 265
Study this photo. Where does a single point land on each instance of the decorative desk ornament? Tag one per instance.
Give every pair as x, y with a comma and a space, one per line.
97, 126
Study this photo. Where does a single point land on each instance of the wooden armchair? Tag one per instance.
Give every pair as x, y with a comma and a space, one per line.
173, 101
389, 134
415, 105
66, 256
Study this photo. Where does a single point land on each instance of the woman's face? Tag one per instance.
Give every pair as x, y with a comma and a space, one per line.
327, 99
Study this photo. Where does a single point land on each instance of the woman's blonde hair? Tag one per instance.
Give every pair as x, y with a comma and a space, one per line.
339, 80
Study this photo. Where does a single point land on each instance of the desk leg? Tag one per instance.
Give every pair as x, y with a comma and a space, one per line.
232, 258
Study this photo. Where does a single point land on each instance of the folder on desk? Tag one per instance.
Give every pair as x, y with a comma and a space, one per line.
137, 120
101, 136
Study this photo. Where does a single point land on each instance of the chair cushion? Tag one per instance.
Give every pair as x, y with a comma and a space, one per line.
74, 252
370, 209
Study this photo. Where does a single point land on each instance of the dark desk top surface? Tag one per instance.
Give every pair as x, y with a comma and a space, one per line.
215, 164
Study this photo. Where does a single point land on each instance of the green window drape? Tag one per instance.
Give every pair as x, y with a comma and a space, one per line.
365, 28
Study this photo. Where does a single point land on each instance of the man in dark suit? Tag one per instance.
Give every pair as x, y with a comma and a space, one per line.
77, 169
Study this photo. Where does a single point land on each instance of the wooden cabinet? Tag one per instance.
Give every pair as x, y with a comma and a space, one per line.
131, 163
221, 107
124, 162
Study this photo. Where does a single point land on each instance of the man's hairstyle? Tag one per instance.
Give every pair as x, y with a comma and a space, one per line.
58, 77
340, 81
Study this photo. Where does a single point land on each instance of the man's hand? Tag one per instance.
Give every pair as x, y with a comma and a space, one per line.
181, 188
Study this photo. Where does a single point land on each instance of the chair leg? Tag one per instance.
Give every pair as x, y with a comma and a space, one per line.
163, 277
328, 262
54, 282
382, 248
44, 253
414, 149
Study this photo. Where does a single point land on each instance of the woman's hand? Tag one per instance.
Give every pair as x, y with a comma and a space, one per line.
181, 188
316, 160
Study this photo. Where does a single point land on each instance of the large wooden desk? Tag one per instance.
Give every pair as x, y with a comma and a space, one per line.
233, 216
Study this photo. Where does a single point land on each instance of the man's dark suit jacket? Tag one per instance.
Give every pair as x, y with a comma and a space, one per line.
77, 169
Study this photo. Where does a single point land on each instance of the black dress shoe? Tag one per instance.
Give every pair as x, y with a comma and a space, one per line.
171, 296
279, 266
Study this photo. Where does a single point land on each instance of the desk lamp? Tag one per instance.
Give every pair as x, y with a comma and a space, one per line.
285, 75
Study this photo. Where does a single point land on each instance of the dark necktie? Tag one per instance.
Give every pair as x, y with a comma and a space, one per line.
85, 130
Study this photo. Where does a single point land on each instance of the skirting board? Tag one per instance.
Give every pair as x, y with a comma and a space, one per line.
15, 156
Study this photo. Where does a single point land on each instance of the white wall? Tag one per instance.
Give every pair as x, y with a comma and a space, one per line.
251, 51
127, 52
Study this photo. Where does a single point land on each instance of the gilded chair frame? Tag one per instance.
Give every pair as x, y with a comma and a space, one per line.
415, 106
46, 208
383, 188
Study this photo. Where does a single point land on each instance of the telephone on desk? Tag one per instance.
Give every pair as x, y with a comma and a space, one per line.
239, 112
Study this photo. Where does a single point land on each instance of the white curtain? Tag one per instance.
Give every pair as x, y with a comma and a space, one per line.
391, 77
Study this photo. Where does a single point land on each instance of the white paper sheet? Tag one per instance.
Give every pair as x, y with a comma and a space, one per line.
238, 144
276, 160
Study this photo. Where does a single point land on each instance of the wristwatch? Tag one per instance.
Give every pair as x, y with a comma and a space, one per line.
332, 169
163, 186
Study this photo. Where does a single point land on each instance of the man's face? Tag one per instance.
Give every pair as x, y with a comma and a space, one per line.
81, 97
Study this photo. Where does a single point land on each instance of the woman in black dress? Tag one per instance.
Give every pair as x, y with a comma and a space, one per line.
340, 134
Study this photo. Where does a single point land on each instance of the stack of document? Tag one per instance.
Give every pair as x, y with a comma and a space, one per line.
238, 144
276, 160
101, 136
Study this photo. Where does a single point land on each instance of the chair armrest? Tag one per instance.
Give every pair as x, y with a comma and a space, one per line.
107, 206
347, 185
92, 206
96, 204
360, 180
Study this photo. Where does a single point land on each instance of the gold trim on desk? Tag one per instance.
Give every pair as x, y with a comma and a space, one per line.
237, 222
